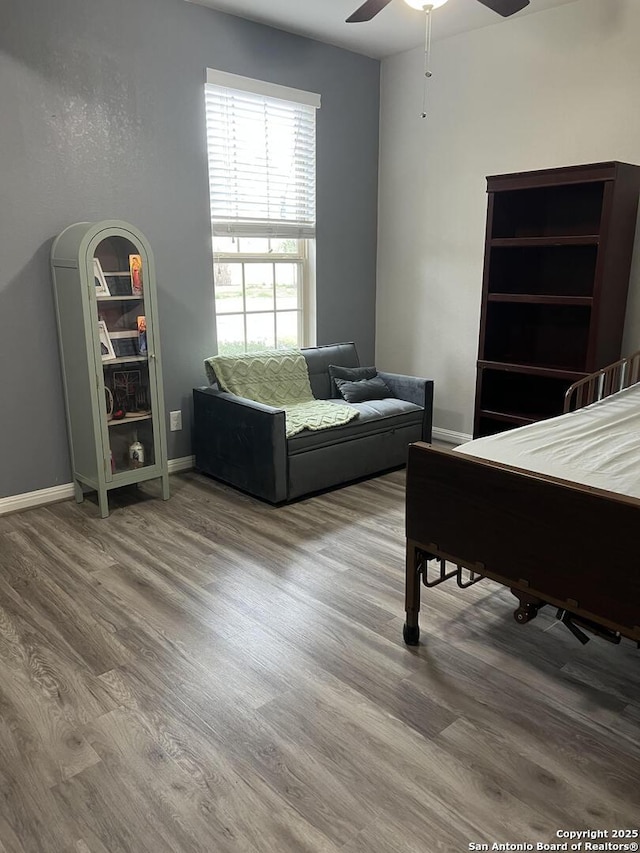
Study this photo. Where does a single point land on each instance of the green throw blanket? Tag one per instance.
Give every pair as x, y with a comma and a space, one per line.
278, 378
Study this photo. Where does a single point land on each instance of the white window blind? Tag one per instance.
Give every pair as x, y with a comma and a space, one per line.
262, 158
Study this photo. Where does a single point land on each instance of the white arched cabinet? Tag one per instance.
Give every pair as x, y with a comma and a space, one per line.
106, 307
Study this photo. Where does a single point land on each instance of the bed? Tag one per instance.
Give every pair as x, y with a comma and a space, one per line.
550, 510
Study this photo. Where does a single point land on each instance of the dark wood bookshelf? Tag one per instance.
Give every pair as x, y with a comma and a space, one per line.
556, 273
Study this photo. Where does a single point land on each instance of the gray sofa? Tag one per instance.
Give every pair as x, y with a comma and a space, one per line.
243, 443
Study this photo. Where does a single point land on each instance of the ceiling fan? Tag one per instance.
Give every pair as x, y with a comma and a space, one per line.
370, 8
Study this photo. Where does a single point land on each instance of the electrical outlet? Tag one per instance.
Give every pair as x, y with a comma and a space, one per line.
175, 421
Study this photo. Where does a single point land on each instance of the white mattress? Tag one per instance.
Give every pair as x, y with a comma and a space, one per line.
595, 446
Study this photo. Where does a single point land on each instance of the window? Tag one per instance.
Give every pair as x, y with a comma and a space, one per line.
261, 146
260, 293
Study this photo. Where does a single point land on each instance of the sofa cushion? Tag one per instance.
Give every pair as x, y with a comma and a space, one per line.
363, 389
318, 361
375, 416
350, 374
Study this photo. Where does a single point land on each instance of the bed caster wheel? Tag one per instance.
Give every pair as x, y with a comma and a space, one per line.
411, 635
523, 615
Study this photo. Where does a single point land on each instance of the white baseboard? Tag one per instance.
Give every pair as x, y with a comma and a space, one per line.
449, 436
42, 497
28, 500
185, 463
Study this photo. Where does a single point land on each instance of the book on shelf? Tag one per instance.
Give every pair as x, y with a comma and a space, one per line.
106, 345
102, 288
135, 267
142, 335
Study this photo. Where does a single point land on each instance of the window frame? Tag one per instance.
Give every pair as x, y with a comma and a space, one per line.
300, 259
303, 230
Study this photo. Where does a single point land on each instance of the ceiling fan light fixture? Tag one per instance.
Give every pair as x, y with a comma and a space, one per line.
370, 8
421, 5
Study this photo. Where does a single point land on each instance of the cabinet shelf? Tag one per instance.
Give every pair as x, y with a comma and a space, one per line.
129, 419
516, 399
543, 270
129, 333
540, 299
124, 359
533, 370
533, 242
542, 334
571, 209
128, 298
510, 417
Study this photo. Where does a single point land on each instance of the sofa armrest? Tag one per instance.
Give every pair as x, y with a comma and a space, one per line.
241, 442
416, 390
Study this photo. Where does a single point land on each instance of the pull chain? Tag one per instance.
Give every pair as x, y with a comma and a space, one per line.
427, 57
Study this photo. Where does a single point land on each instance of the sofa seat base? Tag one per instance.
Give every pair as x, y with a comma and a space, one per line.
375, 416
343, 462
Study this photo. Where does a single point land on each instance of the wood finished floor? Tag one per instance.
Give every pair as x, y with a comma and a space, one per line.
215, 674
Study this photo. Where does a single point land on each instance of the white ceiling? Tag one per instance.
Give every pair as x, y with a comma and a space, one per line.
395, 29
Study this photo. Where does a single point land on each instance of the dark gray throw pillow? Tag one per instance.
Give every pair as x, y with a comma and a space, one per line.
363, 389
351, 374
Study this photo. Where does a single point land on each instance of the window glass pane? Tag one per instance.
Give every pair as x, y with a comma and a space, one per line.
230, 332
259, 286
228, 281
225, 245
286, 286
286, 247
288, 329
260, 331
259, 245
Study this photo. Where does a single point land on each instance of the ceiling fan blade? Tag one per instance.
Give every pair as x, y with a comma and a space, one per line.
505, 7
369, 10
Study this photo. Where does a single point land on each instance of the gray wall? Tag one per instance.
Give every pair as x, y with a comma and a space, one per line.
102, 116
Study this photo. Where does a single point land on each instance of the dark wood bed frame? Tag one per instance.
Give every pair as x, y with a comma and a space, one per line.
551, 541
